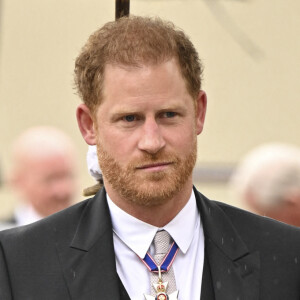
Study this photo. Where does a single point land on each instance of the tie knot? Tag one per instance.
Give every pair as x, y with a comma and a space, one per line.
162, 242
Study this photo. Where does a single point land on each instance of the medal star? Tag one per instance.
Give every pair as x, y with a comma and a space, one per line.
160, 289
173, 296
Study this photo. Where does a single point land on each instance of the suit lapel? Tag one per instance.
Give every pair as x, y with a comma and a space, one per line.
234, 270
207, 290
89, 262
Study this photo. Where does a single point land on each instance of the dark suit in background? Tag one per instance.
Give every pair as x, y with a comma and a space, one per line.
70, 255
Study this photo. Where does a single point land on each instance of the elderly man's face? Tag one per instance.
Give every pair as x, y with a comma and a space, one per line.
146, 132
48, 182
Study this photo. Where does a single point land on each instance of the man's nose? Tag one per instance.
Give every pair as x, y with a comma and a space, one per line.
63, 187
151, 139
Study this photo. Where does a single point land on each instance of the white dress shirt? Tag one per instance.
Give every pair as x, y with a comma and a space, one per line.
133, 238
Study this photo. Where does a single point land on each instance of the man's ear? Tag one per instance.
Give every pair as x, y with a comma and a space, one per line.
201, 103
86, 124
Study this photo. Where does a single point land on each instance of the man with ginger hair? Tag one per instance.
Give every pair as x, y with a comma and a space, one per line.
147, 234
43, 174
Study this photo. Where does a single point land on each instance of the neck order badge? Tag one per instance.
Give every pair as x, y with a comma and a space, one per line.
161, 287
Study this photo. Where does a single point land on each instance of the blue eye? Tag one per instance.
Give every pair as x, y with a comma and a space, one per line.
170, 114
129, 118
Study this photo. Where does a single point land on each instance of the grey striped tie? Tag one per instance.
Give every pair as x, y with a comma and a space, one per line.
162, 241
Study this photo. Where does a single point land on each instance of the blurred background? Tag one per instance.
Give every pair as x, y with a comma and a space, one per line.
250, 50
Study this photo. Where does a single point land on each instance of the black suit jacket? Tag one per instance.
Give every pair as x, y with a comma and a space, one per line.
70, 255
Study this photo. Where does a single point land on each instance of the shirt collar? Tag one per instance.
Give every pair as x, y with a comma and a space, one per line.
183, 227
138, 235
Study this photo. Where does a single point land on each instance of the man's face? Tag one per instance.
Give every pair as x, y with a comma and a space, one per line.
48, 182
147, 127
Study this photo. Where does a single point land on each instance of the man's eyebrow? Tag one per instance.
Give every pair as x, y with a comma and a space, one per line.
123, 112
128, 111
173, 107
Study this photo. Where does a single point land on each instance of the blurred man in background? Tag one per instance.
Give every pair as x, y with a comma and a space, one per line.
43, 174
268, 182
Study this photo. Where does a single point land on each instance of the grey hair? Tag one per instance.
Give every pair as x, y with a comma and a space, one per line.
269, 172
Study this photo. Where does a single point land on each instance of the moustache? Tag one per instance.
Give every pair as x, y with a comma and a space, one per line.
153, 159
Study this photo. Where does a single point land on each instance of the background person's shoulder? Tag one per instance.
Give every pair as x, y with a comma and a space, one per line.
61, 222
259, 230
